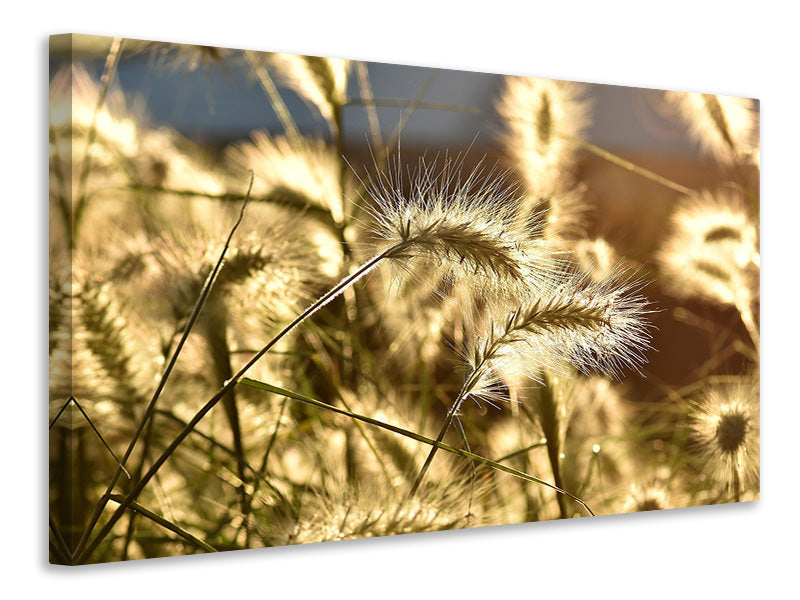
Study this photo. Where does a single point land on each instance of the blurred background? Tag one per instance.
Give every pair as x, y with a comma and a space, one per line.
220, 102
213, 99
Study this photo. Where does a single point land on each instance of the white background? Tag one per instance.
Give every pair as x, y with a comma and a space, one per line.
743, 49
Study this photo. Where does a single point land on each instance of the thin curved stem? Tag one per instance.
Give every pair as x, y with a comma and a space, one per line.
626, 164
201, 300
735, 483
170, 526
272, 93
372, 114
456, 406
749, 322
112, 60
157, 464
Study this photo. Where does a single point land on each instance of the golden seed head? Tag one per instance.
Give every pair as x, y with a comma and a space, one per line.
713, 250
594, 327
459, 228
543, 116
724, 126
725, 423
318, 80
300, 172
652, 496
595, 257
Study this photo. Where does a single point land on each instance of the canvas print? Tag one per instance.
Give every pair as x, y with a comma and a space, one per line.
297, 299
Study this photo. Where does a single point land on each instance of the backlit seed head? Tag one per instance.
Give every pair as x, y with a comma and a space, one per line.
457, 228
377, 512
713, 250
647, 497
74, 96
725, 423
595, 257
543, 117
724, 126
559, 216
303, 172
594, 327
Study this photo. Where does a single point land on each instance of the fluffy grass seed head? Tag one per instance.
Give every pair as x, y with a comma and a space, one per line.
713, 250
467, 228
318, 80
592, 326
375, 514
595, 257
346, 495
300, 174
421, 301
166, 160
352, 481
564, 213
264, 281
125, 154
542, 115
726, 424
74, 96
95, 354
559, 217
598, 411
123, 142
724, 126
264, 277
307, 168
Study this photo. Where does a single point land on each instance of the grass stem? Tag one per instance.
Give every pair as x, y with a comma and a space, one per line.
112, 60
137, 489
201, 300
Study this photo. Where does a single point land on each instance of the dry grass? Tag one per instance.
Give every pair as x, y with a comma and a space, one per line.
284, 346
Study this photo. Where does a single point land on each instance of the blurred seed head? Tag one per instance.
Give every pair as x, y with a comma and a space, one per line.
320, 81
461, 228
595, 257
265, 276
74, 96
594, 327
598, 411
373, 511
564, 214
424, 301
726, 424
94, 354
308, 169
643, 498
725, 126
713, 250
164, 159
124, 156
542, 115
